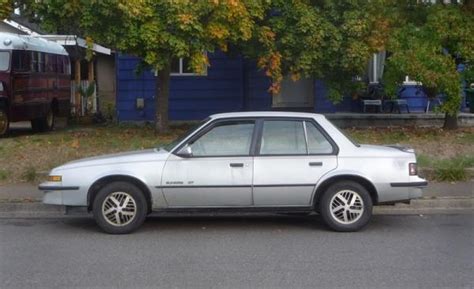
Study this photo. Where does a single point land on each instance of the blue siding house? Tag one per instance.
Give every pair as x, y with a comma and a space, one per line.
231, 83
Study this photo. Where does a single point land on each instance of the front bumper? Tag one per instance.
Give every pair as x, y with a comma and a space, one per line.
62, 195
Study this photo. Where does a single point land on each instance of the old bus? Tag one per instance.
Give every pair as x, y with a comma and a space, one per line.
35, 81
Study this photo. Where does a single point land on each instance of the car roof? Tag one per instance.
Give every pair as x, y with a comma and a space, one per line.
267, 114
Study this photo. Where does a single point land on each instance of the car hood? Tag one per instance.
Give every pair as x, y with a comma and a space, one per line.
125, 157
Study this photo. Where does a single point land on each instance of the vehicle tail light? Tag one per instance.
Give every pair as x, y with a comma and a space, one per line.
412, 169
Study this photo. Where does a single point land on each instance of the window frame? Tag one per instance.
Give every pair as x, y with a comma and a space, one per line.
208, 127
335, 148
24, 61
182, 73
284, 154
10, 60
256, 136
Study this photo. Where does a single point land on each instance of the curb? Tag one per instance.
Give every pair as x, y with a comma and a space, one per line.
416, 207
427, 206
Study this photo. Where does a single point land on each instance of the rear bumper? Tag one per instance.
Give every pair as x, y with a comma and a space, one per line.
401, 191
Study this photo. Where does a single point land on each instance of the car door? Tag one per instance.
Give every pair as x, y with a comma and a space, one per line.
218, 171
293, 154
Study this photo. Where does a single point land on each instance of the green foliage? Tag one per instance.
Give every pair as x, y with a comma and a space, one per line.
330, 40
88, 91
4, 174
468, 75
30, 174
156, 31
6, 8
424, 44
452, 169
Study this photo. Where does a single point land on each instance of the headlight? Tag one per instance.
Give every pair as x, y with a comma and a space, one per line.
55, 178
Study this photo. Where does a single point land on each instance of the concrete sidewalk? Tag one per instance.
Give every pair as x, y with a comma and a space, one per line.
24, 201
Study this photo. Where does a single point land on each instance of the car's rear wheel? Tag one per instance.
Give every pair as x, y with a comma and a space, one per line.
119, 208
346, 206
4, 122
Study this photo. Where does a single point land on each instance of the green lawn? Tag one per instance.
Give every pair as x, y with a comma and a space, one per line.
26, 156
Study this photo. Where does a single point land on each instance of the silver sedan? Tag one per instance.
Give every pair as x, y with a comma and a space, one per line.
279, 162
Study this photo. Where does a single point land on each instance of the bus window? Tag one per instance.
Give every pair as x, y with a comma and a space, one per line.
68, 66
21, 60
34, 61
49, 63
41, 62
4, 60
60, 64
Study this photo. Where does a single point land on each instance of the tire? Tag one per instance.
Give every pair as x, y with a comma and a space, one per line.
4, 122
104, 201
351, 198
45, 123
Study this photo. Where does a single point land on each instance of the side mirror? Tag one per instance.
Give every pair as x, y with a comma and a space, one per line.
185, 152
2, 88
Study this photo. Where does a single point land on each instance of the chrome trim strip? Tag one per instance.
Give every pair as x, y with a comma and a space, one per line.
236, 186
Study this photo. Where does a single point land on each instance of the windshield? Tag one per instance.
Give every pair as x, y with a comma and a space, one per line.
192, 129
4, 60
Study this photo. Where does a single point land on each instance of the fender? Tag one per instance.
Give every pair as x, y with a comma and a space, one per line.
343, 173
141, 182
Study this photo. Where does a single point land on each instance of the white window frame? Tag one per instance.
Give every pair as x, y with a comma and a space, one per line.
181, 69
375, 75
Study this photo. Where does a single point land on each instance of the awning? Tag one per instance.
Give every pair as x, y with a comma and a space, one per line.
73, 40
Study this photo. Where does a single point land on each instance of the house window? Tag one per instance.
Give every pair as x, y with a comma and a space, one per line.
180, 67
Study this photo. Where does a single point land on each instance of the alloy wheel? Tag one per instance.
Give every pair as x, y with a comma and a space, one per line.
346, 207
119, 209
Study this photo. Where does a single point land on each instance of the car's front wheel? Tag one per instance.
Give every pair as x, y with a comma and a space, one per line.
119, 208
346, 206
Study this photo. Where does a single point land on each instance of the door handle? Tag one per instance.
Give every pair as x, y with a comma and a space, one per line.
237, 165
316, 164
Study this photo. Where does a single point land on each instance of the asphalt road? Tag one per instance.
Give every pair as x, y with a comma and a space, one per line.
394, 252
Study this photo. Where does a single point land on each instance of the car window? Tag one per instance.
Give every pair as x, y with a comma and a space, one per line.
4, 60
280, 137
317, 142
225, 139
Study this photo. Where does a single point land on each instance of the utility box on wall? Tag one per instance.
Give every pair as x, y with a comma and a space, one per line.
140, 105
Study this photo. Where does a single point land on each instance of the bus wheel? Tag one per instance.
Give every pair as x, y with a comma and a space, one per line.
45, 123
4, 122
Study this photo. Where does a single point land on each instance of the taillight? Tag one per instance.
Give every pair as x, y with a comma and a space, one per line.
412, 169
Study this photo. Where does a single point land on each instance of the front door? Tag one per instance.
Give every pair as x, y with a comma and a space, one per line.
293, 156
219, 172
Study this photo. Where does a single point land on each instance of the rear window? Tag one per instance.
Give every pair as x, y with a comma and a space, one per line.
4, 60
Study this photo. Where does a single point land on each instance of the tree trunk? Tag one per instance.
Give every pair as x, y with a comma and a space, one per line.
161, 104
450, 122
